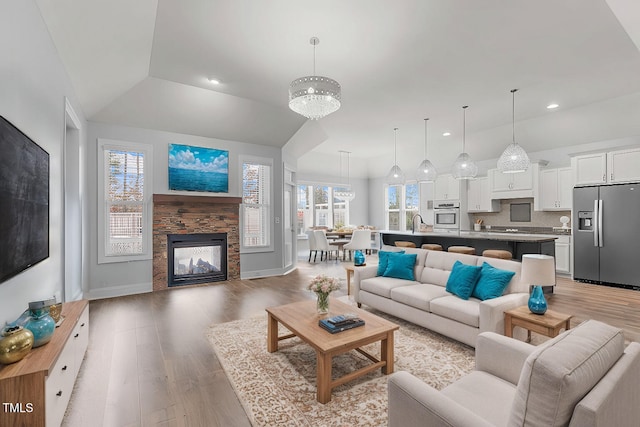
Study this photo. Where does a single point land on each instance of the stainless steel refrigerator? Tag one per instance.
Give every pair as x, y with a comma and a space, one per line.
606, 234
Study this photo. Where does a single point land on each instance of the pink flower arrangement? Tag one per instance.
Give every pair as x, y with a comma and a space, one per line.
324, 284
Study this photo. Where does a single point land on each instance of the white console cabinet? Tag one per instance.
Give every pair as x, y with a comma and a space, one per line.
39, 386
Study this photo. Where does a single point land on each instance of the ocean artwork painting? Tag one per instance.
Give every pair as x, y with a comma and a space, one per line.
198, 169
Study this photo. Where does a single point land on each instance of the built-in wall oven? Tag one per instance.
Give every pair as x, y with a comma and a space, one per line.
446, 216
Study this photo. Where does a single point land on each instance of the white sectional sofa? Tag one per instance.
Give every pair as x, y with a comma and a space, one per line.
426, 302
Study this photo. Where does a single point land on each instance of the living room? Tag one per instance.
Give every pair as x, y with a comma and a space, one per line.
75, 97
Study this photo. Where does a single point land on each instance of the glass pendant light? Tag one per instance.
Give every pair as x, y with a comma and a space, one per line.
426, 172
345, 193
464, 167
395, 175
513, 159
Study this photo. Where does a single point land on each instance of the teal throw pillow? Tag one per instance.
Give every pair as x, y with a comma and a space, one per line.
383, 258
400, 265
462, 279
492, 282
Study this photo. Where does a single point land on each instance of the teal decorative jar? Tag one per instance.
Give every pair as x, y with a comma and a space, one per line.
537, 302
358, 258
41, 324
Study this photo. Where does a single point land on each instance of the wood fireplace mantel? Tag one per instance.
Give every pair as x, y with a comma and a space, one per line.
180, 199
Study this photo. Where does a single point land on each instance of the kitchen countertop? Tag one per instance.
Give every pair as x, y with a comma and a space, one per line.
478, 235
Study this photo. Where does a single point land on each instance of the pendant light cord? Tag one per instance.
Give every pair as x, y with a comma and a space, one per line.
464, 125
395, 146
425, 137
513, 114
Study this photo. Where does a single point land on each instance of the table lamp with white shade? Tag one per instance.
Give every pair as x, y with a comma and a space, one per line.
538, 271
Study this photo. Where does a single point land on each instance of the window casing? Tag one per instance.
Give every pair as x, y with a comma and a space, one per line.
124, 197
257, 209
402, 202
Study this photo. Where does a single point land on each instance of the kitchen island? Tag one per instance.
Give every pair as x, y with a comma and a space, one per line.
517, 244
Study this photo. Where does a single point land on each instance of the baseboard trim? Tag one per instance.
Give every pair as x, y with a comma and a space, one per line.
119, 291
265, 273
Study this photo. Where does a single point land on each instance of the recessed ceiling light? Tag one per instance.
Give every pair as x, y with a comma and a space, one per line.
552, 106
446, 134
214, 81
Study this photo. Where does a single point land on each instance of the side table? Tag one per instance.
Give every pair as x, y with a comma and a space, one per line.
350, 268
550, 323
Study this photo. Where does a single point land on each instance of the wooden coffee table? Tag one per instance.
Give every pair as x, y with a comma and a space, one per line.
550, 323
301, 319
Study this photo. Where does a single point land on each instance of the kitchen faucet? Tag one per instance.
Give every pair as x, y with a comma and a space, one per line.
413, 223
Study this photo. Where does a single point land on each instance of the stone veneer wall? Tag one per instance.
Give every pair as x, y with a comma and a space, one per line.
173, 214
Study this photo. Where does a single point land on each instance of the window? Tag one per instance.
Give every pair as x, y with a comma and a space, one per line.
124, 196
256, 205
317, 207
402, 202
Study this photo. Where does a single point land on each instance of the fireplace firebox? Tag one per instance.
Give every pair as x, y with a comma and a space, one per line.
196, 258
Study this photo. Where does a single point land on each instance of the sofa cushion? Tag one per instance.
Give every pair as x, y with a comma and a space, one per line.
382, 286
438, 266
460, 310
485, 395
515, 285
400, 266
558, 375
492, 282
383, 259
418, 296
462, 279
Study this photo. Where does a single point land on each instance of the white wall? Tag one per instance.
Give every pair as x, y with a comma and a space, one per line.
134, 277
33, 85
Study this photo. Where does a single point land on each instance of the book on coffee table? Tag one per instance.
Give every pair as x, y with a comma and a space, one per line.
339, 326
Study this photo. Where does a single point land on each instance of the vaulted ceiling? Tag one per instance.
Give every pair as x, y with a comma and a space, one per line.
147, 63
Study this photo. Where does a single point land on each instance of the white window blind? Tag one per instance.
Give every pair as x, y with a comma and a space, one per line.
256, 205
124, 222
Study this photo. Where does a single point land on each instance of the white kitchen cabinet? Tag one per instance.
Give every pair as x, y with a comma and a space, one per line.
479, 198
612, 167
447, 188
513, 185
623, 166
590, 169
563, 254
556, 188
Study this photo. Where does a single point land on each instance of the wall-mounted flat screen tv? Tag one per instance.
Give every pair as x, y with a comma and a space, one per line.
24, 201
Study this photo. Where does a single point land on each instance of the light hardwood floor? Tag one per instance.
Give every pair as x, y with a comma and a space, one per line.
149, 363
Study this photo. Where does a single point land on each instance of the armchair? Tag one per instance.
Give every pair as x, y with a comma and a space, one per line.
583, 377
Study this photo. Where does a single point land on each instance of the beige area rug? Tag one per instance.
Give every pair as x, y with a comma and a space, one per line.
278, 389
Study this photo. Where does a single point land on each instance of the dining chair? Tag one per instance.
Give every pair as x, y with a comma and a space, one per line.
313, 246
360, 241
322, 245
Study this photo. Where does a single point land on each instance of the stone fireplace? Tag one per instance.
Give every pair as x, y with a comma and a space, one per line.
195, 225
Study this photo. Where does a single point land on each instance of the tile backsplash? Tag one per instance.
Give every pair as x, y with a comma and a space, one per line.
502, 218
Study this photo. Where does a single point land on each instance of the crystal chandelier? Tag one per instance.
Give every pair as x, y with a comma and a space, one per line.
426, 172
314, 96
464, 167
345, 193
513, 159
395, 175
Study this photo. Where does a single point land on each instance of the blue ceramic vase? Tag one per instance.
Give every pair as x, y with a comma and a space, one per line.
537, 302
358, 258
41, 325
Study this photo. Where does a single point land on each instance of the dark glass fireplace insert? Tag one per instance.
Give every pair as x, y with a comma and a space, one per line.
196, 258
